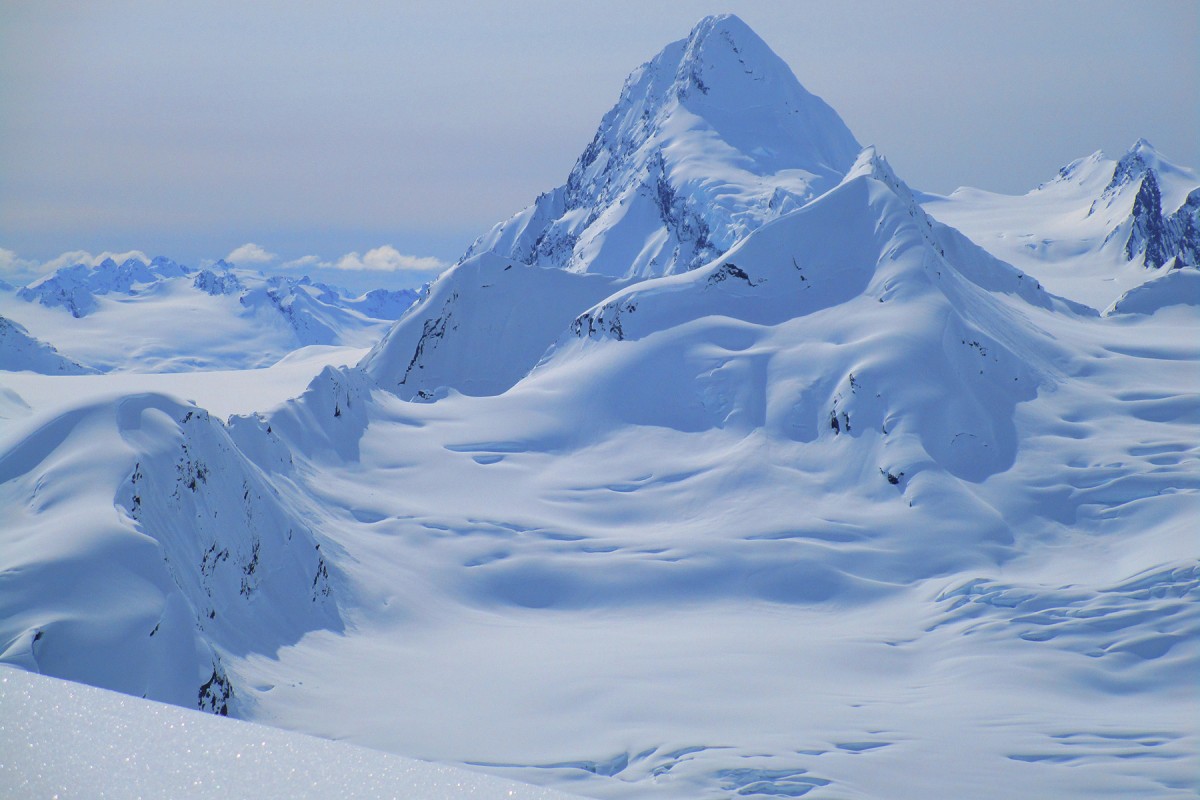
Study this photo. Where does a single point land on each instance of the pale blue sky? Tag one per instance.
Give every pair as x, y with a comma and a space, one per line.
189, 129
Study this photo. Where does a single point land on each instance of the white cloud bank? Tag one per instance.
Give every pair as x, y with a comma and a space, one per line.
386, 258
250, 253
379, 259
306, 261
13, 266
389, 259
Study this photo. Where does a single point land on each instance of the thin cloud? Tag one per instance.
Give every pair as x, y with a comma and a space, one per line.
389, 259
22, 270
73, 257
13, 265
304, 262
250, 253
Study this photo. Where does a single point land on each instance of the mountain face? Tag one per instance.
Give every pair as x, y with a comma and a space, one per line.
76, 287
1100, 228
164, 550
20, 351
863, 250
163, 316
483, 325
710, 139
1153, 232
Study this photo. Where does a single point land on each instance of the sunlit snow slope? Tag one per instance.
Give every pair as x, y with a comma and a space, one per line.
843, 506
65, 740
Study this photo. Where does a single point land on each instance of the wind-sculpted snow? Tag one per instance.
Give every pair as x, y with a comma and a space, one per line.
708, 141
1177, 287
1143, 618
976, 354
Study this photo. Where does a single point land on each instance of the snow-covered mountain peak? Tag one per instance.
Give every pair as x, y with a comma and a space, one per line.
75, 287
1079, 171
1142, 163
871, 163
1131, 168
731, 78
1158, 205
1097, 230
708, 140
1145, 151
1142, 156
1099, 174
723, 79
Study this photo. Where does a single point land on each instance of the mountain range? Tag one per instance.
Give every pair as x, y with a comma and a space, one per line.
732, 467
167, 317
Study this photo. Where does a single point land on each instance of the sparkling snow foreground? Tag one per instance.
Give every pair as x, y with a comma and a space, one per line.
60, 739
730, 468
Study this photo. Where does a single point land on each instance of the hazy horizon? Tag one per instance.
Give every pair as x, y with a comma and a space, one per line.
191, 131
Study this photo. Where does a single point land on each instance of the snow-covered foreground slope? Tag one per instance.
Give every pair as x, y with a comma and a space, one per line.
851, 509
61, 739
1100, 228
166, 317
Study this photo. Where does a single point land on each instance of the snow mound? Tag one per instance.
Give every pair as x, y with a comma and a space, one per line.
1176, 287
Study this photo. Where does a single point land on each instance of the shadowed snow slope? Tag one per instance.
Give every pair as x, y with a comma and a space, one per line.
710, 139
481, 328
158, 546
